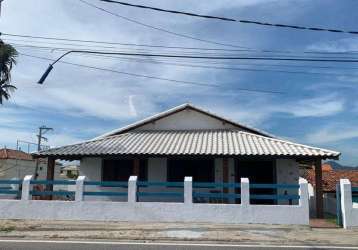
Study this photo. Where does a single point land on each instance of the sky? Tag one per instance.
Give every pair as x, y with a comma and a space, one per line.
81, 103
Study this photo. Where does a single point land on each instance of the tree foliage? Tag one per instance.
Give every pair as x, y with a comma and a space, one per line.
8, 55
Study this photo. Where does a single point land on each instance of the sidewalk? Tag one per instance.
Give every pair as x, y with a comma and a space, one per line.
218, 233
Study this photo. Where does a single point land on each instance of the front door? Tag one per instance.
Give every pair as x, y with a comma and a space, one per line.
258, 172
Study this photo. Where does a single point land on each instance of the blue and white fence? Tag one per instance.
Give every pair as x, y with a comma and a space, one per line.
349, 204
132, 207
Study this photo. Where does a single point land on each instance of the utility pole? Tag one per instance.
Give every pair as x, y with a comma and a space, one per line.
42, 131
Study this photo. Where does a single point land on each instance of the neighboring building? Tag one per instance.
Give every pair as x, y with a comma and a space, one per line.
17, 164
189, 141
70, 171
330, 179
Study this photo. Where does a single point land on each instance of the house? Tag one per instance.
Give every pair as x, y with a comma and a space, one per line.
189, 141
70, 171
16, 164
330, 179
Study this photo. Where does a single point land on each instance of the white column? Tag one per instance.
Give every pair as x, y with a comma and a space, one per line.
245, 192
132, 189
26, 186
79, 188
346, 201
304, 199
188, 190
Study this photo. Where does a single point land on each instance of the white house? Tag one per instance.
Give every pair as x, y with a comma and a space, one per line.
189, 141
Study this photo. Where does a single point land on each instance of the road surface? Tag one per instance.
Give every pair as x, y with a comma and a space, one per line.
63, 245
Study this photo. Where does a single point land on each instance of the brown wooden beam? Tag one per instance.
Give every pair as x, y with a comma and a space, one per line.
50, 174
319, 188
136, 166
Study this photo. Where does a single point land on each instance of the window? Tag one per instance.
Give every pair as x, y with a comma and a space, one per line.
202, 170
121, 170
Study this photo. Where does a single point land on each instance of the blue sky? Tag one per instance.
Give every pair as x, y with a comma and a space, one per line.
79, 103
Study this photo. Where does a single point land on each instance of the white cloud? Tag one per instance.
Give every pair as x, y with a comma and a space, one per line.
332, 133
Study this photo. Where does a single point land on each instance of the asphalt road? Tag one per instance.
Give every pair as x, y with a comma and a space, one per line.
12, 245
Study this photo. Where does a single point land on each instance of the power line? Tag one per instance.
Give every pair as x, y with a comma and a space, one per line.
150, 51
153, 77
264, 65
157, 46
159, 28
214, 57
233, 20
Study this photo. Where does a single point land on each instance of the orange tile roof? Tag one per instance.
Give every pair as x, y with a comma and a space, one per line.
14, 154
331, 178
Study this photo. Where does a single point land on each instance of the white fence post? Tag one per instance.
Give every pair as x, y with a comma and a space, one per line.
26, 186
346, 201
245, 192
304, 199
79, 188
188, 190
132, 189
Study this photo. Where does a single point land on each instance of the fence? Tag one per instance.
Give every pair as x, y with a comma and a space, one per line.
133, 209
349, 205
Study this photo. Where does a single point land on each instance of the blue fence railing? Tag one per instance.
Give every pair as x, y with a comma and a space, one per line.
160, 194
106, 184
355, 194
274, 188
39, 190
9, 189
214, 192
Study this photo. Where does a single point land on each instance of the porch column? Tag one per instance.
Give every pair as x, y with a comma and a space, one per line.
136, 164
226, 173
50, 174
318, 189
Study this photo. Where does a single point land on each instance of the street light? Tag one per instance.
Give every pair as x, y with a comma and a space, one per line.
50, 67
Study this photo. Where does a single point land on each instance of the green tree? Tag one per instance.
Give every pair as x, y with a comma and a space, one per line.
8, 56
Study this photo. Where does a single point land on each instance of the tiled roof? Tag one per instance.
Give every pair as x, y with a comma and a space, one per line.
14, 154
331, 178
189, 142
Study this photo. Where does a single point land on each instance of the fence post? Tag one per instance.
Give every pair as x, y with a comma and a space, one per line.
346, 201
25, 193
132, 189
188, 190
245, 192
79, 188
304, 199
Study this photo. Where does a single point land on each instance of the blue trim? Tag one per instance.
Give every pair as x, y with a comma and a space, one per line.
5, 188
355, 199
59, 193
160, 184
104, 193
107, 183
216, 195
274, 186
11, 182
176, 194
54, 182
215, 184
10, 192
354, 189
274, 197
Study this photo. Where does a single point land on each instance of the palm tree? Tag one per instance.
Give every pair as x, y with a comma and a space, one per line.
8, 56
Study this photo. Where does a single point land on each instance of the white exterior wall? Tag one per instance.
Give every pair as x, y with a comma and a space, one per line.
20, 168
349, 209
287, 172
187, 119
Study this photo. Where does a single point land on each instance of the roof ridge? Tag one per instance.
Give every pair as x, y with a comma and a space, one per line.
177, 109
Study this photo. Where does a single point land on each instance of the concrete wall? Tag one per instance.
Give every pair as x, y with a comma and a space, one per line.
349, 209
187, 119
185, 211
